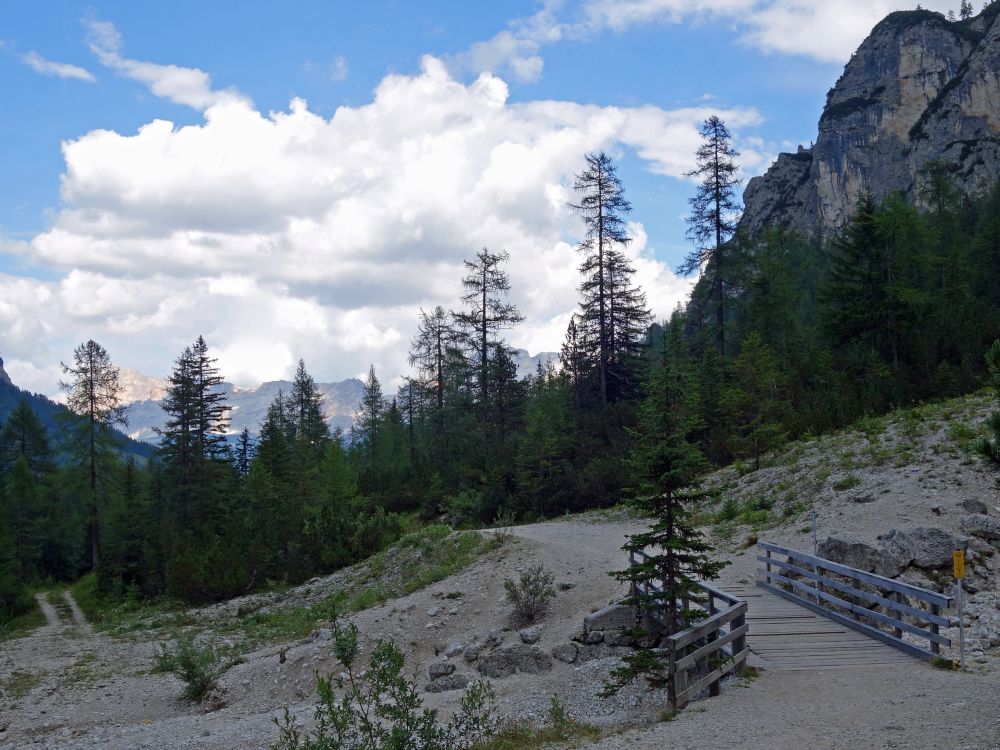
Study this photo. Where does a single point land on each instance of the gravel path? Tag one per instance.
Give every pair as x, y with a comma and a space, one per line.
95, 691
52, 619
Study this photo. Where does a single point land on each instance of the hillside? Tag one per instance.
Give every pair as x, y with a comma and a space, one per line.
919, 88
434, 594
49, 412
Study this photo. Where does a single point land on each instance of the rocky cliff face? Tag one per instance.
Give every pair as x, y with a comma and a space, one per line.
4, 377
919, 88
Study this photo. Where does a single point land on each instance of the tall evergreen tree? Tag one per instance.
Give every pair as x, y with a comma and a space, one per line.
306, 406
667, 465
429, 352
989, 447
714, 211
603, 208
370, 416
93, 395
488, 312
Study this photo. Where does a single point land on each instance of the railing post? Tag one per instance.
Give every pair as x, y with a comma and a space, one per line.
673, 676
740, 642
899, 615
767, 564
715, 688
854, 600
935, 646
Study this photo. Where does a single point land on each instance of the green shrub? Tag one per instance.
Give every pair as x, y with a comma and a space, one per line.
729, 511
199, 665
530, 596
846, 483
380, 709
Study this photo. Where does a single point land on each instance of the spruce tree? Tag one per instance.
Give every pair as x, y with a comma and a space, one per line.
487, 313
23, 434
989, 447
753, 401
306, 411
603, 208
370, 416
667, 465
714, 212
93, 395
429, 352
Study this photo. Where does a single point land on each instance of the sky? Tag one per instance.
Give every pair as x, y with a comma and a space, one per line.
297, 180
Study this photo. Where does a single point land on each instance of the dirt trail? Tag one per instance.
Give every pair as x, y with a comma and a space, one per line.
52, 618
79, 619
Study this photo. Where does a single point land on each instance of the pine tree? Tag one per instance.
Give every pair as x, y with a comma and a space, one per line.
603, 208
990, 447
714, 210
23, 434
965, 10
370, 416
244, 454
487, 313
573, 358
667, 465
306, 407
429, 352
753, 401
92, 394
22, 506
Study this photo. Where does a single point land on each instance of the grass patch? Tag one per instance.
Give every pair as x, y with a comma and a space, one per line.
561, 728
18, 684
128, 614
414, 562
23, 624
846, 483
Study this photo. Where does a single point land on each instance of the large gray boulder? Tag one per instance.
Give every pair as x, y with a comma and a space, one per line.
454, 681
974, 505
896, 554
933, 547
981, 525
851, 551
509, 661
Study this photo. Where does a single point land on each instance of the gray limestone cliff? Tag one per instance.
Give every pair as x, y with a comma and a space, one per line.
919, 88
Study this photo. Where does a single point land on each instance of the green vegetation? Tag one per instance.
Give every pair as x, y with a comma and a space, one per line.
559, 728
198, 664
18, 684
846, 483
378, 708
531, 594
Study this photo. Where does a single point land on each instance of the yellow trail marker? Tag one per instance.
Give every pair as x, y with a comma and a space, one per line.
958, 563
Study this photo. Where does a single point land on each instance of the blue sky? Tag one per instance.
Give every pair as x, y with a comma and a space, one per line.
145, 242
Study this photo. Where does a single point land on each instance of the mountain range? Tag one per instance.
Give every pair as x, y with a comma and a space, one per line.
143, 394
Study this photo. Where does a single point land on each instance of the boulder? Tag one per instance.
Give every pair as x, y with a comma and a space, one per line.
851, 551
454, 649
529, 636
981, 525
895, 555
974, 505
611, 618
440, 669
565, 652
933, 548
600, 651
509, 661
455, 681
618, 638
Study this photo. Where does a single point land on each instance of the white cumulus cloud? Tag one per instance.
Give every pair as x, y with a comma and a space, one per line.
286, 234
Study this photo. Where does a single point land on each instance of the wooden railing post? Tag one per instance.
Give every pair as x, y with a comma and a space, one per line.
899, 599
740, 642
935, 646
715, 688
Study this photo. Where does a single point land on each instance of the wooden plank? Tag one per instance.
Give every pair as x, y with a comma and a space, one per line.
716, 645
866, 595
716, 674
859, 626
860, 611
914, 592
703, 628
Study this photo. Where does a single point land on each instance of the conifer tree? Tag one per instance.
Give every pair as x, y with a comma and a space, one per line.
486, 314
714, 211
23, 434
93, 395
370, 416
753, 401
603, 208
429, 352
306, 407
244, 454
667, 466
965, 10
573, 358
22, 506
989, 447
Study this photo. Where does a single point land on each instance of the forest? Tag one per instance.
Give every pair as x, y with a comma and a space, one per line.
783, 336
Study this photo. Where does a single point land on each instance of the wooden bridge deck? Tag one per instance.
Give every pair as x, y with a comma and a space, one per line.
786, 637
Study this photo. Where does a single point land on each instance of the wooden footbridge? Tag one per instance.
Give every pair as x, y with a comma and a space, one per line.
803, 612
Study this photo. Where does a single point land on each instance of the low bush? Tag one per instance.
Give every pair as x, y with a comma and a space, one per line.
531, 594
199, 665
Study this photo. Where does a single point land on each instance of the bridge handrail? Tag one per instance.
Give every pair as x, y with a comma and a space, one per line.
802, 578
699, 656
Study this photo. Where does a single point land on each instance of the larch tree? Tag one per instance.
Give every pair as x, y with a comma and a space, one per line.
487, 312
93, 395
603, 208
714, 212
